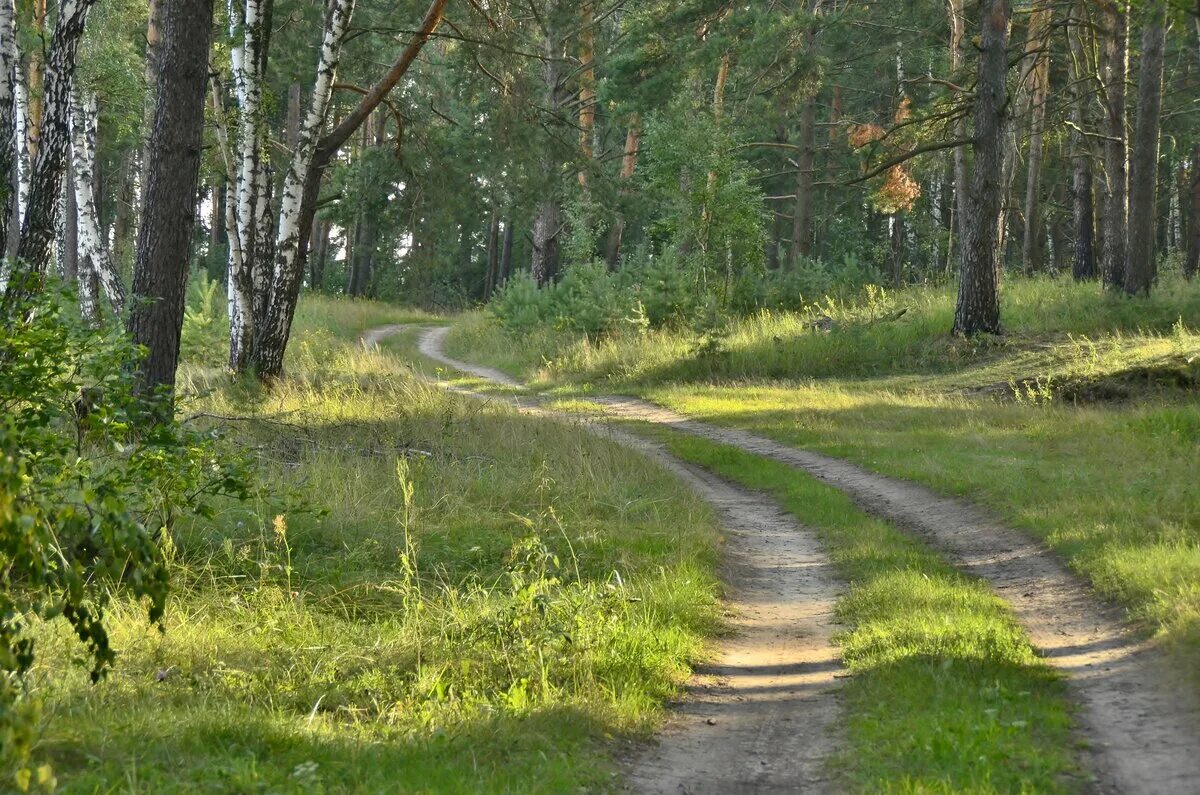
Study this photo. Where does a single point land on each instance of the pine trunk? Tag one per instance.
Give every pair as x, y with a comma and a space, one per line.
1192, 263
1032, 253
1143, 184
1083, 266
172, 170
616, 235
544, 263
1116, 155
978, 306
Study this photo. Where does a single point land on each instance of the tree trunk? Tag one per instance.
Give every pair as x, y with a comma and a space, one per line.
1083, 265
36, 83
978, 306
169, 196
94, 250
1116, 155
320, 249
507, 251
69, 249
544, 264
957, 32
10, 63
492, 277
299, 204
587, 89
35, 248
1192, 263
1039, 90
802, 212
1143, 184
616, 235
897, 250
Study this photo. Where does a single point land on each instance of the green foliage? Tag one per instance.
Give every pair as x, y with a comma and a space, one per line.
205, 321
92, 478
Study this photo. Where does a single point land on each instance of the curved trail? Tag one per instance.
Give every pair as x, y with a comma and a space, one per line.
763, 716
1141, 722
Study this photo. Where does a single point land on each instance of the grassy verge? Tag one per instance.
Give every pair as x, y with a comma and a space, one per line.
1081, 426
946, 694
472, 601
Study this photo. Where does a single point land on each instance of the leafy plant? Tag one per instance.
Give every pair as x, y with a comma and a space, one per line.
92, 477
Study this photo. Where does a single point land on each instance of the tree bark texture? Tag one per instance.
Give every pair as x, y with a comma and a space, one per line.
1037, 48
35, 248
91, 241
169, 196
1143, 182
1116, 154
978, 306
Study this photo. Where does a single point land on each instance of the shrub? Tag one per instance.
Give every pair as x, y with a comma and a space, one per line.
520, 306
92, 477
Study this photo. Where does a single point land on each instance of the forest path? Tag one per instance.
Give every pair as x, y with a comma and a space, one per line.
1140, 720
763, 715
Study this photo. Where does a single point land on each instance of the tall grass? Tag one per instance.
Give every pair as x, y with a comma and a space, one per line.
427, 595
882, 332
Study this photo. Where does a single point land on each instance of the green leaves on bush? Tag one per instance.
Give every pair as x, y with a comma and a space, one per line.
91, 478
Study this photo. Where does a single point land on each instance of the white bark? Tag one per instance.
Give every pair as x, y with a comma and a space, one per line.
247, 41
287, 239
9, 69
91, 241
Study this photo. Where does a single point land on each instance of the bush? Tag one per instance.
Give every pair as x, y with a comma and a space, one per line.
520, 306
92, 478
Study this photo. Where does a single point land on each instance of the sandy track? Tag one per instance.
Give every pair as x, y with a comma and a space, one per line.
763, 716
1140, 722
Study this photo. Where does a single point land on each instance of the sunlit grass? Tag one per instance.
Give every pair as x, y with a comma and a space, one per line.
463, 600
1081, 426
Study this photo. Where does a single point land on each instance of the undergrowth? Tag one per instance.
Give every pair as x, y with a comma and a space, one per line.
470, 601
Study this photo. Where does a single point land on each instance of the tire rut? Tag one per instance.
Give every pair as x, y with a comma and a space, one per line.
763, 716
1140, 721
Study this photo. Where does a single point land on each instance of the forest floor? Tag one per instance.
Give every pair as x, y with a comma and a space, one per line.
1105, 424
426, 594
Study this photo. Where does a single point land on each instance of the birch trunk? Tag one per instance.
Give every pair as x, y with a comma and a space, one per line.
35, 248
91, 241
10, 63
288, 267
247, 36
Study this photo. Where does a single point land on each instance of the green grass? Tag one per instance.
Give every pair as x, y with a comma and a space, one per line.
473, 601
1081, 426
946, 694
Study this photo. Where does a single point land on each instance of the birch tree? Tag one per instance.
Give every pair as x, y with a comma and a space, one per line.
35, 248
95, 257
